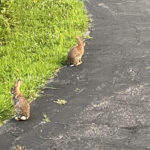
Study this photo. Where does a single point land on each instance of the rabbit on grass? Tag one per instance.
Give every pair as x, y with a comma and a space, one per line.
21, 106
75, 54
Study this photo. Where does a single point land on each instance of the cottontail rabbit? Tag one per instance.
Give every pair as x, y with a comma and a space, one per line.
22, 107
75, 54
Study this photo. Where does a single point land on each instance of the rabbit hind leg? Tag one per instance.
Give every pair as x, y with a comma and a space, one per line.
17, 113
78, 62
16, 118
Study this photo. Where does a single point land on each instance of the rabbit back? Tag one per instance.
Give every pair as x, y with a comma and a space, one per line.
22, 108
75, 55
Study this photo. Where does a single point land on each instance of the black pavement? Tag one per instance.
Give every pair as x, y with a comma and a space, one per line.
108, 95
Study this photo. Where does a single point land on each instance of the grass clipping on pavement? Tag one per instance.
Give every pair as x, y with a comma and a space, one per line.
37, 44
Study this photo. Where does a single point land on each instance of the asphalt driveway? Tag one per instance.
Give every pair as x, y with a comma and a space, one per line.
108, 96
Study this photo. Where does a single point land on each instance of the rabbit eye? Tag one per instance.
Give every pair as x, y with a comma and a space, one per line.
12, 89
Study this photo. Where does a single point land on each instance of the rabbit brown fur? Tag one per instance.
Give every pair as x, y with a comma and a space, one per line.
75, 54
22, 107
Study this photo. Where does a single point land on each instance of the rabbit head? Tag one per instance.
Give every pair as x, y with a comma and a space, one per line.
15, 88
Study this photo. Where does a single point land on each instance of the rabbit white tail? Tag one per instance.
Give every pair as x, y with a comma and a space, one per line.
23, 118
71, 65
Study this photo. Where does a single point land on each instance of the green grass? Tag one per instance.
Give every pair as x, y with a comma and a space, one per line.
45, 118
7, 21
40, 33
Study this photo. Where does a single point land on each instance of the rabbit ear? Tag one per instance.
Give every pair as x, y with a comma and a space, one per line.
79, 40
17, 83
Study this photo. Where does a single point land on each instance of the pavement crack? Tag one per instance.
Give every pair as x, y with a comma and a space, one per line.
52, 138
137, 35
